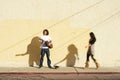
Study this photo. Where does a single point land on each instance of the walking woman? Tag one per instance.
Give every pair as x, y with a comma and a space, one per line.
90, 51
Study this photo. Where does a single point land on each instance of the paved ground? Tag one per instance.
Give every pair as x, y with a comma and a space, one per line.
62, 73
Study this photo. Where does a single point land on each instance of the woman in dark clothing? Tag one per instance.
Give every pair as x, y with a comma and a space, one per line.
90, 51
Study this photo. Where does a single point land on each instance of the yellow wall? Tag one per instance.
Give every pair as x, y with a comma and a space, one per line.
22, 36
69, 23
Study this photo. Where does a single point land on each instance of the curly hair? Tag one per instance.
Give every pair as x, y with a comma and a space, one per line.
45, 30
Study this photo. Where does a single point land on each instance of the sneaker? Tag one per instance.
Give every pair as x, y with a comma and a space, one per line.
50, 67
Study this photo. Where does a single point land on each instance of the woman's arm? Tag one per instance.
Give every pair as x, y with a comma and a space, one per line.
87, 45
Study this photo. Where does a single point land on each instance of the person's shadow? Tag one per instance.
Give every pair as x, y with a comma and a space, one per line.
33, 50
71, 56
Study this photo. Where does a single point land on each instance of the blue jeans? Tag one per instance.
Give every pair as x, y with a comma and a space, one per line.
43, 52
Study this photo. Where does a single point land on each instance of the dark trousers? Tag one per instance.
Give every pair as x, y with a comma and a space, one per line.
89, 53
43, 52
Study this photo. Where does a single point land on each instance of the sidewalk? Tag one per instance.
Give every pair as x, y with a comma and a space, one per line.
62, 73
58, 70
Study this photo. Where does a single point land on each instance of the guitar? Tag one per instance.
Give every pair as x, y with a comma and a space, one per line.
49, 44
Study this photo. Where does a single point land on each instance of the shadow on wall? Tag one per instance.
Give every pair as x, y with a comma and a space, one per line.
33, 50
71, 56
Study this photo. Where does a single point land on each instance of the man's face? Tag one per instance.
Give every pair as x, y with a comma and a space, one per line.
45, 33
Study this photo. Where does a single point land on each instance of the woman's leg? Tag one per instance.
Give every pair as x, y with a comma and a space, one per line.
96, 63
87, 59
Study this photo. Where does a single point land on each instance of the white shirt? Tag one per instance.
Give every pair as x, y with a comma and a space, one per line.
44, 38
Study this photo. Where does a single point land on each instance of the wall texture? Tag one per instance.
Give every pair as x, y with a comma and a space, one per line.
69, 23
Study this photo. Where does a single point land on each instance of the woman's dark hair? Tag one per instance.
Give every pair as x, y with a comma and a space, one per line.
92, 35
45, 30
92, 38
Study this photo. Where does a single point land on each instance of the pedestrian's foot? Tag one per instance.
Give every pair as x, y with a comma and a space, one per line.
97, 65
40, 66
50, 67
